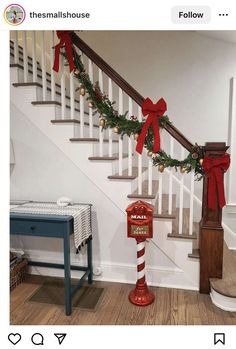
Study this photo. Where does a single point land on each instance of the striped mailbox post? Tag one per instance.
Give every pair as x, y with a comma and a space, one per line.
140, 227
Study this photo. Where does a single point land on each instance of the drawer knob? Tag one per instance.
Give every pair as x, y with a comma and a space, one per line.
32, 227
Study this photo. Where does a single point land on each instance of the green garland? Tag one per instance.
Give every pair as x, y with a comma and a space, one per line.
109, 117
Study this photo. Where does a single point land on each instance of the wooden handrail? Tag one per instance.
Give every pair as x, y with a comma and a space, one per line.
125, 86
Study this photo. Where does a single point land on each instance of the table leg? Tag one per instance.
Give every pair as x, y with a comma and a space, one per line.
67, 271
89, 258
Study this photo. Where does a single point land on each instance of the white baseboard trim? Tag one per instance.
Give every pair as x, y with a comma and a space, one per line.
231, 208
123, 273
223, 302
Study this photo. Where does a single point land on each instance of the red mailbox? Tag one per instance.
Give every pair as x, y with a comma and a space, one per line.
140, 220
140, 227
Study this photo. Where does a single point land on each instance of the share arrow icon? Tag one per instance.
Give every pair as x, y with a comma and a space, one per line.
60, 337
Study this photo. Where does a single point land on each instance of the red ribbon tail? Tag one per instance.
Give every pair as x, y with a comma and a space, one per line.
57, 58
220, 187
157, 140
142, 136
212, 191
69, 53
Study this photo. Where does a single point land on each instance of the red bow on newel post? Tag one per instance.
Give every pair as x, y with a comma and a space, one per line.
65, 41
154, 111
214, 168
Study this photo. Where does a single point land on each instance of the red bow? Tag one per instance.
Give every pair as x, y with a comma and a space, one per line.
154, 111
214, 168
65, 40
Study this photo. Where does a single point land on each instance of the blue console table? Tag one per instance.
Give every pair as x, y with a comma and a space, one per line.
55, 227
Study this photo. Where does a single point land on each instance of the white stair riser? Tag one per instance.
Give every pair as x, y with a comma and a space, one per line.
223, 302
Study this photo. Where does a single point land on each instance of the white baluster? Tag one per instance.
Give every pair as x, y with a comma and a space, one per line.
72, 96
110, 96
25, 56
101, 132
160, 181
130, 150
191, 203
53, 95
63, 94
120, 139
34, 60
81, 103
170, 178
181, 197
140, 179
16, 46
43, 66
90, 63
150, 176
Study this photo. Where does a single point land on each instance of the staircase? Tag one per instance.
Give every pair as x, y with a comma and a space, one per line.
109, 161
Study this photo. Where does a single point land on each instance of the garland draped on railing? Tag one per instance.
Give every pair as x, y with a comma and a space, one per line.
110, 118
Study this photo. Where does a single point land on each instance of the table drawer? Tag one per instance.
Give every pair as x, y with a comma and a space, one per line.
37, 228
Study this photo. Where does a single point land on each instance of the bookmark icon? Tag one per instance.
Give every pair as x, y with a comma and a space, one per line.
60, 337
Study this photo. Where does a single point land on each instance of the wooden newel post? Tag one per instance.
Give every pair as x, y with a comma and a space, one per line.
211, 231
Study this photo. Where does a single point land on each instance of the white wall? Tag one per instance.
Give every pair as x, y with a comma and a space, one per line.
192, 72
232, 142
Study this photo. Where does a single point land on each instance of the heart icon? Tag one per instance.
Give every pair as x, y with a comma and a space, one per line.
14, 338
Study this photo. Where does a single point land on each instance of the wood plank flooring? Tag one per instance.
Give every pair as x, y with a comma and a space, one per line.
171, 307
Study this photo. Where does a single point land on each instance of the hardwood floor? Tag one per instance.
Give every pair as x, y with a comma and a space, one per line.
171, 307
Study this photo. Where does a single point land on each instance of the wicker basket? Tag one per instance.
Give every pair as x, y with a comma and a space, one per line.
18, 273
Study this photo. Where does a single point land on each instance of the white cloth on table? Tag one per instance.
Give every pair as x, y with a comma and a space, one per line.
80, 212
64, 201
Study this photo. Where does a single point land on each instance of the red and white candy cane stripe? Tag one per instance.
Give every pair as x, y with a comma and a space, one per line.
141, 295
140, 261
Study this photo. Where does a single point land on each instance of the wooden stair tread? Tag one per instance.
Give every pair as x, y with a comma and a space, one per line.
182, 236
227, 285
194, 254
145, 194
70, 121
106, 157
125, 174
46, 102
91, 140
22, 84
164, 213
